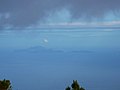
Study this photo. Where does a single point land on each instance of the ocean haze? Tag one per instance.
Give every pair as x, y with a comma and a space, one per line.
92, 57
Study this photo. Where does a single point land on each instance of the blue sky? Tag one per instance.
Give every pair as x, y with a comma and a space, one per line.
55, 13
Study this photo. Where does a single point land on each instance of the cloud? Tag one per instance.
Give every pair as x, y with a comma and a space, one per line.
24, 13
45, 40
93, 8
112, 24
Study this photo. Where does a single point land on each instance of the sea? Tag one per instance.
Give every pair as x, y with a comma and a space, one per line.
50, 59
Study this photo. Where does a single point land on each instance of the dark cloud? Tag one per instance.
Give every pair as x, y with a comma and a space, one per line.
27, 12
93, 8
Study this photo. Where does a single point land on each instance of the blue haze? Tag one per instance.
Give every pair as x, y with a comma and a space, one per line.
51, 59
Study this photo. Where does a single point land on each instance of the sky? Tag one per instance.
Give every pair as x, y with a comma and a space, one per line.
34, 13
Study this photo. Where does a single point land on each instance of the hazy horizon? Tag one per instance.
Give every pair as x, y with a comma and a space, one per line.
52, 59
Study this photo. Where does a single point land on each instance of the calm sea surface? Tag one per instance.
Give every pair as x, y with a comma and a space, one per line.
52, 59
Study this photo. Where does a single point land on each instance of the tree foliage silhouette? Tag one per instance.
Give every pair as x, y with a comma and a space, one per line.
75, 86
68, 88
5, 85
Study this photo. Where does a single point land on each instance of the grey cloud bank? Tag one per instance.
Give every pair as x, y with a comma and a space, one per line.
22, 13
